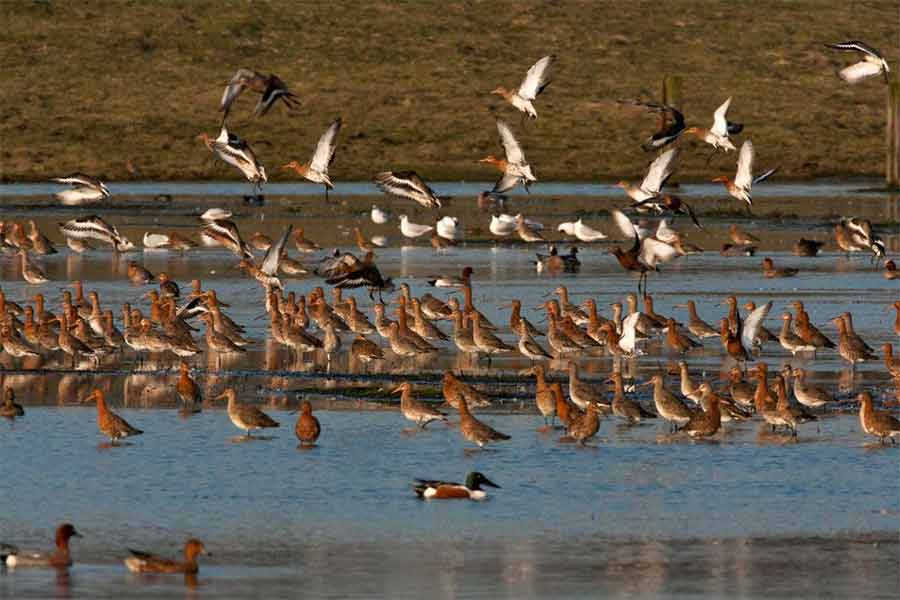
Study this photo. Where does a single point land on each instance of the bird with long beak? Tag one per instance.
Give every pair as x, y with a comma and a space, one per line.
316, 170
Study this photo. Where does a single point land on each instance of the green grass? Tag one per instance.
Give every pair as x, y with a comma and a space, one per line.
91, 84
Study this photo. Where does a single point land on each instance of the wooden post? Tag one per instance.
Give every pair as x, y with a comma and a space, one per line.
892, 168
671, 92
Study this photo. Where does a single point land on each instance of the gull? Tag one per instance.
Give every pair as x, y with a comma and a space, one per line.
447, 228
586, 233
237, 153
94, 228
660, 170
515, 169
534, 83
717, 135
743, 181
84, 189
501, 227
379, 216
407, 184
567, 227
412, 230
316, 170
872, 62
271, 87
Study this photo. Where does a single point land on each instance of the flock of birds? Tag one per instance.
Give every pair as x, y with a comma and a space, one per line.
83, 329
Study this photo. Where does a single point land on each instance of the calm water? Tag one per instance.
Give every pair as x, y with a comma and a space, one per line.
641, 513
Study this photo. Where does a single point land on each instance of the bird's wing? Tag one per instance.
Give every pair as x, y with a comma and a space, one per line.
506, 182
406, 184
629, 332
720, 123
537, 78
514, 153
660, 170
765, 175
325, 148
752, 325
859, 71
624, 224
744, 177
275, 252
654, 252
234, 88
857, 46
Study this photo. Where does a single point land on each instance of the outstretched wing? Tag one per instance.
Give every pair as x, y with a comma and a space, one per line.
856, 46
744, 177
628, 229
537, 78
511, 146
276, 250
752, 325
325, 148
720, 122
660, 170
235, 86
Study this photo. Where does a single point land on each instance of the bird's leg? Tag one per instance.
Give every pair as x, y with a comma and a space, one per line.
326, 193
709, 158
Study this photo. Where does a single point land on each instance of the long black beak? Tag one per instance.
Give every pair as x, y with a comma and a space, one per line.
488, 482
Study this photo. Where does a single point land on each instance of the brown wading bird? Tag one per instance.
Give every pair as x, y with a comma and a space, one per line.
418, 412
880, 424
110, 424
307, 427
474, 430
536, 80
316, 170
244, 416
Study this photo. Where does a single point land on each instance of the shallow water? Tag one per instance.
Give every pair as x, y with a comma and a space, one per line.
641, 513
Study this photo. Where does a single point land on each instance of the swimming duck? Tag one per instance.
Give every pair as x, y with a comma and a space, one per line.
142, 562
429, 489
12, 557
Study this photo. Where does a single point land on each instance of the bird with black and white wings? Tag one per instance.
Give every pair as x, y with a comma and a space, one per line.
659, 172
872, 63
515, 156
84, 189
276, 251
95, 228
317, 168
743, 182
236, 152
407, 184
534, 83
271, 88
717, 135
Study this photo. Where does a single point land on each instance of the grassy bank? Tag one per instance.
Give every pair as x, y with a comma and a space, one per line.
91, 85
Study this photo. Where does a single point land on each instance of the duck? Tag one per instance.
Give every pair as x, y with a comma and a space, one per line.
430, 489
244, 416
890, 271
9, 408
307, 429
316, 170
805, 247
770, 272
143, 562
536, 80
60, 557
450, 281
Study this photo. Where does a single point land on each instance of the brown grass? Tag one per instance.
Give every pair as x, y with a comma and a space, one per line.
91, 84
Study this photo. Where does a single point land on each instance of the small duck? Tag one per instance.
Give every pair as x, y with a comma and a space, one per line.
12, 557
890, 271
142, 562
428, 489
806, 247
10, 409
770, 272
138, 275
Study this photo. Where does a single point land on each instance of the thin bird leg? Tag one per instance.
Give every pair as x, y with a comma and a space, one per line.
709, 158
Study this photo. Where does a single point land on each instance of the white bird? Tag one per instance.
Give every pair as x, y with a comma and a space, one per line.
872, 62
744, 179
717, 135
379, 216
660, 170
567, 227
447, 228
534, 83
515, 168
237, 153
407, 184
317, 168
94, 228
412, 230
84, 189
501, 227
586, 233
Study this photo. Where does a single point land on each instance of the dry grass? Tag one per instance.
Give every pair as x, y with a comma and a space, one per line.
91, 84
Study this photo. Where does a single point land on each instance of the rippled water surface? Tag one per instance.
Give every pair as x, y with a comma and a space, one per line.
640, 513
